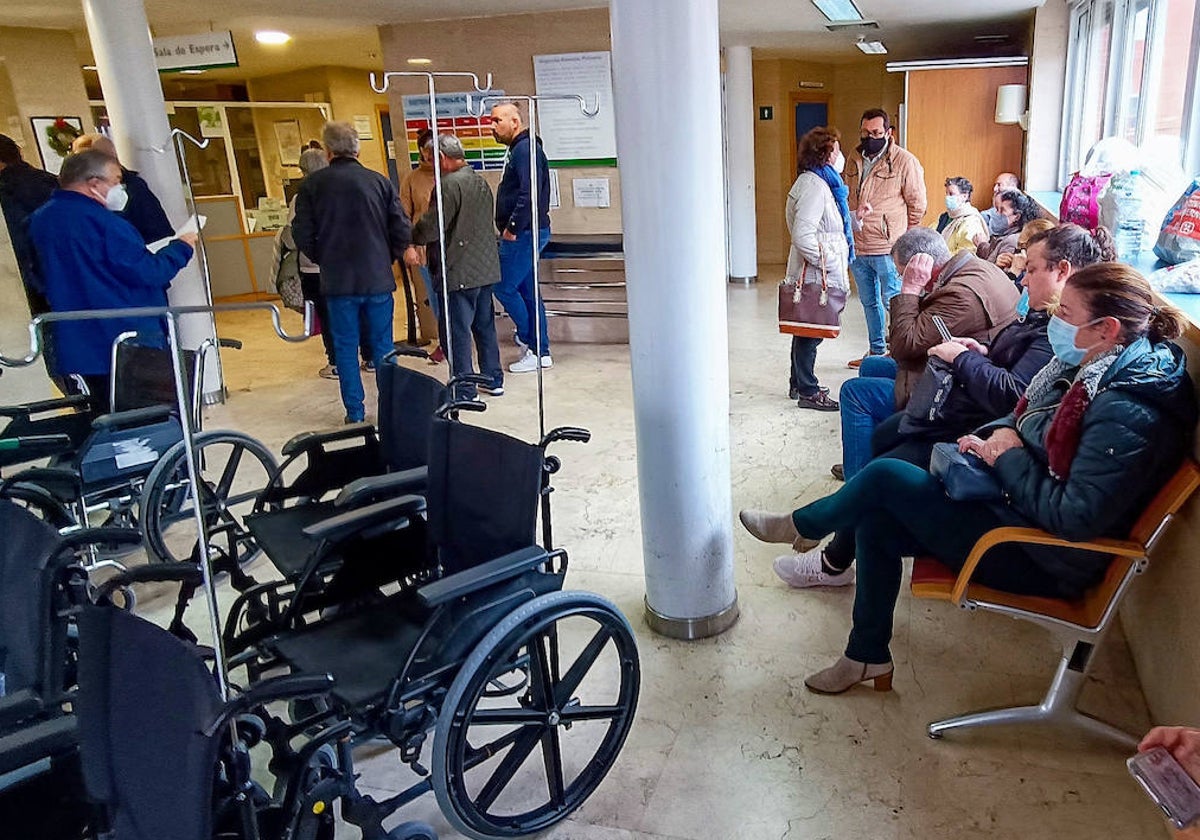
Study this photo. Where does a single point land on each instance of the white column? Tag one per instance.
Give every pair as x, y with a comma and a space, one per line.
666, 76
739, 164
120, 37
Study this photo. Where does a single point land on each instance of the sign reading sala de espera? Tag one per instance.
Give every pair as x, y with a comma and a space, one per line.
195, 52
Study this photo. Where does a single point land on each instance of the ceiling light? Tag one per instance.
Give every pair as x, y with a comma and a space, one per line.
91, 67
871, 47
420, 62
272, 37
838, 9
191, 72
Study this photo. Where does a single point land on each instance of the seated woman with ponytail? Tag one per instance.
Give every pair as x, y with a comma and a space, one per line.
1097, 433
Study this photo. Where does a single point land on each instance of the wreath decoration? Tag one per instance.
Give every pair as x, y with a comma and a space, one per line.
60, 134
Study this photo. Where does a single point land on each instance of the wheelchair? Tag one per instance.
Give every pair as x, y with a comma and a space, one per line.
101, 464
433, 622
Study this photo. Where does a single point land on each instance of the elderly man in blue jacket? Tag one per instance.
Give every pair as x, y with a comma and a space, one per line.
91, 258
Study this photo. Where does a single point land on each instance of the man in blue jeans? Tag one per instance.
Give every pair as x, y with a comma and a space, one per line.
349, 221
514, 221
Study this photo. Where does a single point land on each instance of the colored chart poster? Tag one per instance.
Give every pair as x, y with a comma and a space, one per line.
456, 115
570, 137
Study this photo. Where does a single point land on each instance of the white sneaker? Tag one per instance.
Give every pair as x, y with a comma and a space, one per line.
801, 571
528, 363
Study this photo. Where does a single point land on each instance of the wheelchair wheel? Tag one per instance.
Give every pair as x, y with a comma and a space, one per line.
509, 765
40, 502
234, 469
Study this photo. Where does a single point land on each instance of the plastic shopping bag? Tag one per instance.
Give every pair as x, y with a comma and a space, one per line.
1179, 240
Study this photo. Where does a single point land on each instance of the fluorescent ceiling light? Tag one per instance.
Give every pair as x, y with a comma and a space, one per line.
420, 62
272, 37
871, 47
838, 9
91, 67
192, 72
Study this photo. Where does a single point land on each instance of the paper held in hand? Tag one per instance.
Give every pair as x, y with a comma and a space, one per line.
192, 225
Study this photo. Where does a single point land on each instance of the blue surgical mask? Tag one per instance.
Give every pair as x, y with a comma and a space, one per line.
1062, 340
1023, 304
954, 202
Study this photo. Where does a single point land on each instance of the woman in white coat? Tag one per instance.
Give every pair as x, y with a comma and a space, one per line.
819, 220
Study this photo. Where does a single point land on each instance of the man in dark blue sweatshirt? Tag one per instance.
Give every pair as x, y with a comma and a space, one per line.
514, 220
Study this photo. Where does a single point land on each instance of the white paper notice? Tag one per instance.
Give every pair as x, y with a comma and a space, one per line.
590, 192
555, 198
192, 225
131, 453
567, 134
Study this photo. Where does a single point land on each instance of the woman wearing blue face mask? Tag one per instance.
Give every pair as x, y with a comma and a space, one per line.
965, 229
1097, 433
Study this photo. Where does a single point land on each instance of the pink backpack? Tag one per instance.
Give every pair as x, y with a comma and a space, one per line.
1081, 200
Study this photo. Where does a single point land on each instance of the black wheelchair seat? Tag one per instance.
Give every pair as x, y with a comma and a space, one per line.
280, 534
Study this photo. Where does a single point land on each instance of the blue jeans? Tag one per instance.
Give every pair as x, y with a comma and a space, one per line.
345, 312
515, 289
898, 510
435, 302
878, 282
471, 316
864, 403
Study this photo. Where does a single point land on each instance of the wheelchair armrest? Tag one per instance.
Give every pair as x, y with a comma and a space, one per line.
36, 446
18, 707
373, 488
289, 687
306, 441
25, 409
1033, 536
97, 536
133, 417
351, 522
481, 576
183, 573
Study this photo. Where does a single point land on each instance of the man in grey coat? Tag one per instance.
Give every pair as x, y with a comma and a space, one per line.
472, 266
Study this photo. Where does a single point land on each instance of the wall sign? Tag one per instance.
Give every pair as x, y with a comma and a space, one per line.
195, 52
455, 117
569, 137
766, 112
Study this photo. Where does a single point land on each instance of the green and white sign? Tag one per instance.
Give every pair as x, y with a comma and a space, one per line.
195, 52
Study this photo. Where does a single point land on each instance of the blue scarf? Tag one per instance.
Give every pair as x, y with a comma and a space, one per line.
841, 193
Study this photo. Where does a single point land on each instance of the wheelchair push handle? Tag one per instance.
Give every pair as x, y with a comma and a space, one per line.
231, 343
186, 574
406, 350
572, 433
448, 409
472, 378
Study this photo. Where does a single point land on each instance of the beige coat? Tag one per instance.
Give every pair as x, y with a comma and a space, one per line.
818, 236
416, 188
895, 189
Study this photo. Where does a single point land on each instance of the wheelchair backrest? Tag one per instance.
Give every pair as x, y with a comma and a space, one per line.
26, 597
482, 495
144, 376
145, 703
407, 401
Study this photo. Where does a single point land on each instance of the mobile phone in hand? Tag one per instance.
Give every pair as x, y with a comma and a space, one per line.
1168, 784
941, 328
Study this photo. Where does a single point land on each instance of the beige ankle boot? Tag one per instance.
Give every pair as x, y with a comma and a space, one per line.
776, 528
846, 673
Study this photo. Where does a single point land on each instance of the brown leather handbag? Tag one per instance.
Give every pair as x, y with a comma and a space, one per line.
810, 310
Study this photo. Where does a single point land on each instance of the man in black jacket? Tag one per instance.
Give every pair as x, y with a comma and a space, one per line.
472, 266
515, 222
349, 222
23, 189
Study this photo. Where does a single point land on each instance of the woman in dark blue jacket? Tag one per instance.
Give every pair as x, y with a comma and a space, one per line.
1097, 433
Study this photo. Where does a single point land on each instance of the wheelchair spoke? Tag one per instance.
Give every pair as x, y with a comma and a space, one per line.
552, 758
572, 714
496, 717
478, 755
507, 768
580, 667
541, 680
226, 480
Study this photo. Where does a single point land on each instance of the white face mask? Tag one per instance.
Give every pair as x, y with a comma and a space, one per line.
839, 162
117, 198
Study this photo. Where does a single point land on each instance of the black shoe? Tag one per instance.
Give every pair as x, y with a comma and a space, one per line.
794, 394
837, 472
819, 401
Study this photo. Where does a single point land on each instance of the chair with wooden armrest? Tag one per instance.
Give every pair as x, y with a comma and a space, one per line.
1079, 624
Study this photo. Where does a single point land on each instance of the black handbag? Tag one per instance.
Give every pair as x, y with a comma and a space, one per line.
966, 477
926, 406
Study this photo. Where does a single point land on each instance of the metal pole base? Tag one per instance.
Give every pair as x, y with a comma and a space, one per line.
689, 629
745, 281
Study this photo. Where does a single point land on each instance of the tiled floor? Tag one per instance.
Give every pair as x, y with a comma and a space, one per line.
728, 743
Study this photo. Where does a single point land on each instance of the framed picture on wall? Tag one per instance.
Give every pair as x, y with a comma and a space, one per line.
287, 137
54, 137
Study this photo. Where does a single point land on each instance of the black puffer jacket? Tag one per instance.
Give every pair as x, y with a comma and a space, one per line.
993, 383
1134, 435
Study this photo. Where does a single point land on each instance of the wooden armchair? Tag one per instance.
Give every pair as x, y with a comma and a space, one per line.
1080, 625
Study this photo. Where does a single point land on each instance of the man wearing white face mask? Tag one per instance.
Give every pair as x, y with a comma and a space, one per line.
91, 258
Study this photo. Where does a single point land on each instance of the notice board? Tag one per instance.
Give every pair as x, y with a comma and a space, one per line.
455, 117
569, 137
